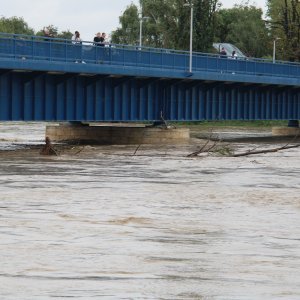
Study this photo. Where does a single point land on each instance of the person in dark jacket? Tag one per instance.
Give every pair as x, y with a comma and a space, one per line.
98, 39
223, 53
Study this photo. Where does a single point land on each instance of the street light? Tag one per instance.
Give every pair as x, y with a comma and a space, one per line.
274, 49
141, 26
191, 34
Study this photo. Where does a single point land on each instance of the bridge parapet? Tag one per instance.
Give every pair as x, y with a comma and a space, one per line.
35, 49
41, 81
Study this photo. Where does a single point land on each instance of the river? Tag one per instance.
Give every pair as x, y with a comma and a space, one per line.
98, 222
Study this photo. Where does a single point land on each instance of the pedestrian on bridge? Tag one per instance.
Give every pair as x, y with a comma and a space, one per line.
223, 53
76, 40
103, 37
98, 39
47, 34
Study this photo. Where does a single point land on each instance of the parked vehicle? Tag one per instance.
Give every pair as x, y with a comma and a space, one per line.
229, 48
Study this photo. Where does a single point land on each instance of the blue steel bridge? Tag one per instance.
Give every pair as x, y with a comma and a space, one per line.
55, 80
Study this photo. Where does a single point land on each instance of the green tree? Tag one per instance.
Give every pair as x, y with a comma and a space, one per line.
284, 22
53, 30
205, 24
127, 34
244, 27
65, 34
168, 24
15, 25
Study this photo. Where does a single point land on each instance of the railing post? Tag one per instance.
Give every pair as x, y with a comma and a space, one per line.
110, 55
50, 50
136, 57
173, 61
14, 40
66, 51
32, 47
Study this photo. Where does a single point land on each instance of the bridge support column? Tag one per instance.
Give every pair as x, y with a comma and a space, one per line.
292, 129
121, 134
293, 123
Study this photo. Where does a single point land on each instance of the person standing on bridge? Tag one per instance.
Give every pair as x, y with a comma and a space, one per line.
47, 34
223, 53
76, 40
98, 39
103, 37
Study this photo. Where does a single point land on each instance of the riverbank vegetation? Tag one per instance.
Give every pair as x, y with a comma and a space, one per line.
246, 124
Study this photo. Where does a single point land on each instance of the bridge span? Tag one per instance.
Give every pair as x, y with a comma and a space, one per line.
55, 80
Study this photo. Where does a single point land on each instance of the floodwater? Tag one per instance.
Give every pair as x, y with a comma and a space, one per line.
102, 223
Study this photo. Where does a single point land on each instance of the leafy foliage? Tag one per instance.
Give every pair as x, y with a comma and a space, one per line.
15, 25
19, 26
244, 27
284, 22
53, 31
166, 23
127, 34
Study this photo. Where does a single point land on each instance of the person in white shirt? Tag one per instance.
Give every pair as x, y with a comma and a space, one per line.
76, 40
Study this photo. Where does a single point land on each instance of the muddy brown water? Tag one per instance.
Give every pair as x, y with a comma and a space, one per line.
98, 222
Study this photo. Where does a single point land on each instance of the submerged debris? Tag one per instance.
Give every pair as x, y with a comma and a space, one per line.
48, 148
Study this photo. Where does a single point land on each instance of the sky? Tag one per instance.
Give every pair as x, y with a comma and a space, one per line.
86, 16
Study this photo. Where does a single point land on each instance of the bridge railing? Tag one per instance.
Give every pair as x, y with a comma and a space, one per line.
37, 48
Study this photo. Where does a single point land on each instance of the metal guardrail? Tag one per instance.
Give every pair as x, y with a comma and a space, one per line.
37, 48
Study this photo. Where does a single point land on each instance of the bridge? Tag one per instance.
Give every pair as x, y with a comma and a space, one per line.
55, 80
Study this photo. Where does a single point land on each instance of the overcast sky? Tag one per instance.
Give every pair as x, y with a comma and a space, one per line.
86, 16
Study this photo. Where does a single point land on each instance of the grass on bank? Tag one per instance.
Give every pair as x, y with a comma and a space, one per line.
260, 124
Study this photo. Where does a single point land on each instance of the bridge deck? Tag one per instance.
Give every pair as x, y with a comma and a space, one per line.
41, 81
57, 55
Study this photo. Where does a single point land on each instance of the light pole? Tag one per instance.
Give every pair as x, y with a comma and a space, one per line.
141, 26
191, 35
274, 49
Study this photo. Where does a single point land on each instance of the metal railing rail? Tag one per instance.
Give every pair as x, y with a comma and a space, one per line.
38, 48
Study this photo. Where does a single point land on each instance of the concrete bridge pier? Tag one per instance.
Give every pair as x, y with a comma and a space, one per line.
292, 129
116, 134
293, 123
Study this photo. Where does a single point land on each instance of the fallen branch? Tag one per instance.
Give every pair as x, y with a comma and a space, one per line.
196, 153
80, 150
137, 149
48, 148
203, 150
265, 150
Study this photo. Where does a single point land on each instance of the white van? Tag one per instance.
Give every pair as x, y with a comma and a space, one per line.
229, 48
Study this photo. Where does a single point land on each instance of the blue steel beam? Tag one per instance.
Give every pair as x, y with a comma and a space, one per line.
56, 55
139, 85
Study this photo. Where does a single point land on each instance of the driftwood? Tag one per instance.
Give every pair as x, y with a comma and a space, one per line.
48, 148
249, 152
286, 146
137, 149
265, 150
204, 148
196, 153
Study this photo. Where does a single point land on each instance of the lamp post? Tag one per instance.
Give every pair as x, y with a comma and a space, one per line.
274, 49
191, 34
141, 27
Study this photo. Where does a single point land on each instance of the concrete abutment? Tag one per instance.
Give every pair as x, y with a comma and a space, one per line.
292, 129
121, 134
